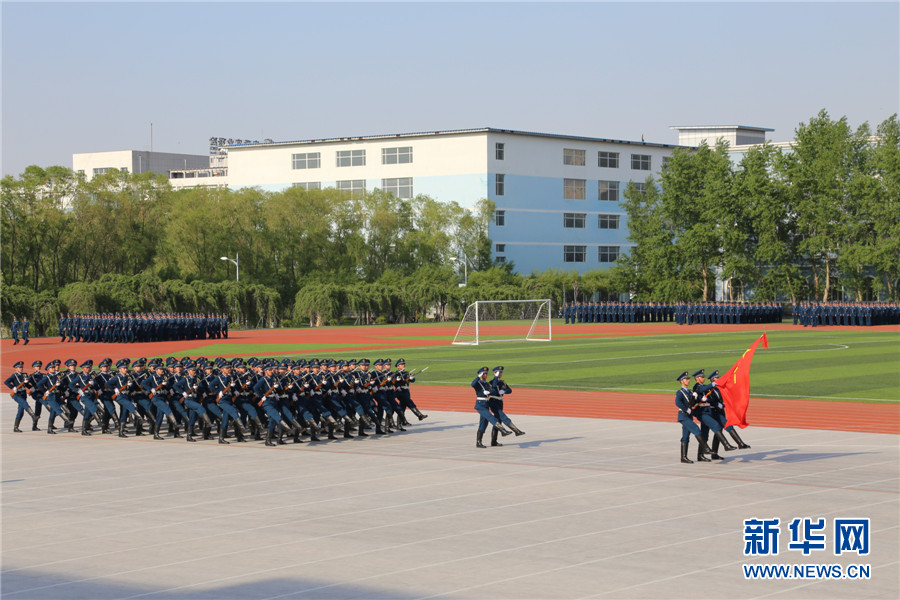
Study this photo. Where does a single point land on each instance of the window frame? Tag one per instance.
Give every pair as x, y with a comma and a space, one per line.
574, 157
571, 220
353, 158
574, 186
307, 158
640, 160
571, 253
611, 158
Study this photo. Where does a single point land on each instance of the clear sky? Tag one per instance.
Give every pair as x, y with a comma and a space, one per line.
90, 77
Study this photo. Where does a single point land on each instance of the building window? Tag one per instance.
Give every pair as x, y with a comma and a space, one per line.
102, 170
354, 186
574, 254
640, 162
573, 220
308, 160
608, 190
608, 221
500, 184
499, 150
395, 156
81, 171
640, 188
501, 260
351, 158
499, 248
573, 157
610, 160
607, 254
309, 185
400, 187
573, 189
499, 218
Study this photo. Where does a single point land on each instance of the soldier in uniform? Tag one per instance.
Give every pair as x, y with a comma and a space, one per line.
703, 411
684, 400
717, 410
18, 384
482, 389
402, 380
499, 388
34, 378
83, 387
121, 385
14, 330
51, 385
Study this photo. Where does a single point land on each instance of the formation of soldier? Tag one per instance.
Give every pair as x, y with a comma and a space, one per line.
704, 403
142, 327
683, 313
853, 314
262, 399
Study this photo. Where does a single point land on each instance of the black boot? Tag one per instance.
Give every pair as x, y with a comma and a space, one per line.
378, 428
86, 425
16, 425
702, 449
222, 439
173, 426
138, 426
515, 429
728, 447
122, 428
503, 430
257, 434
494, 433
34, 419
331, 435
419, 414
239, 433
684, 456
51, 429
715, 449
347, 426
737, 439
280, 441
361, 432
399, 425
270, 437
478, 443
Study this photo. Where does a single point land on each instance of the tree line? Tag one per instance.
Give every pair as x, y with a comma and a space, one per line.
811, 222
780, 224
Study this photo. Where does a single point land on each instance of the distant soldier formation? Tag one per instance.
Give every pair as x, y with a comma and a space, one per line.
683, 313
854, 314
258, 399
128, 328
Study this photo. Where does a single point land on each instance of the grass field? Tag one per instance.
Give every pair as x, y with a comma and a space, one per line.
848, 364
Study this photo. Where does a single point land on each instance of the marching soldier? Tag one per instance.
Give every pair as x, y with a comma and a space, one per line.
18, 384
14, 330
499, 388
83, 387
702, 411
37, 393
717, 409
684, 400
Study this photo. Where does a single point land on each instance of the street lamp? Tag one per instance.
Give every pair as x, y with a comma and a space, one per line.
235, 261
465, 268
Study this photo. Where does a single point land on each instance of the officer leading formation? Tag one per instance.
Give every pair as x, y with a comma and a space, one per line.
257, 398
489, 406
704, 403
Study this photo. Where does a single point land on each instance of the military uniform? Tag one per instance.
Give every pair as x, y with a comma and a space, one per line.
483, 390
499, 389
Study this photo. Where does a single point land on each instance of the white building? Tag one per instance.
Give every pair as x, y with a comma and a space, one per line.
557, 196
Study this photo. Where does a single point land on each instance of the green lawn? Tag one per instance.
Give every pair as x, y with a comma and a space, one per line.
851, 365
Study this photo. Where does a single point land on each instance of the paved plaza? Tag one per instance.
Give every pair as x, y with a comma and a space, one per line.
577, 508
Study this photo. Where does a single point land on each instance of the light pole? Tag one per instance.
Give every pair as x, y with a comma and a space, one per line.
237, 266
465, 268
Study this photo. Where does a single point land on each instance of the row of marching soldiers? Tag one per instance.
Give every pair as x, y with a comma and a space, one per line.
258, 398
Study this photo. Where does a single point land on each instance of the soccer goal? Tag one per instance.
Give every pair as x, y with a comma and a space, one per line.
505, 321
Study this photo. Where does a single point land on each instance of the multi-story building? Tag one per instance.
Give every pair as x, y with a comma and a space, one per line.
557, 197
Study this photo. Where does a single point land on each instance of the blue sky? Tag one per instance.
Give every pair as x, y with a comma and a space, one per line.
89, 77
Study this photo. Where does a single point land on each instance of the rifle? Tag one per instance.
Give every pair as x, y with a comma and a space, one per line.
271, 389
47, 393
156, 389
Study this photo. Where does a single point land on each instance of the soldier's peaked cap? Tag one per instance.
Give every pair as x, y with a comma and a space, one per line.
684, 375
700, 373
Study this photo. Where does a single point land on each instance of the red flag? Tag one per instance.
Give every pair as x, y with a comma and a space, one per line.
735, 386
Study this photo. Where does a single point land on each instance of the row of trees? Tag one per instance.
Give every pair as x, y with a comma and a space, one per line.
816, 220
782, 224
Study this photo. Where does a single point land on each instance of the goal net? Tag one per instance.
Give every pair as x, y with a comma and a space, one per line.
505, 321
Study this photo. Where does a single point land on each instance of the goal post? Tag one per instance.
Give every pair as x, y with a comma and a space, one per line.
505, 321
